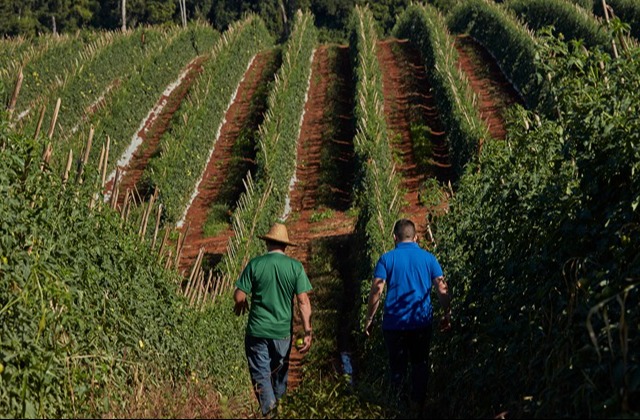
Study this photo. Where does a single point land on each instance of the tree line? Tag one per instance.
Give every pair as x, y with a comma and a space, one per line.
31, 18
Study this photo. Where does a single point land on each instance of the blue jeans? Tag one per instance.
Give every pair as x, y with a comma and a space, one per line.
269, 368
409, 348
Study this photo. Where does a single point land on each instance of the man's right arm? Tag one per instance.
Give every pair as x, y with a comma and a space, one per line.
304, 303
241, 304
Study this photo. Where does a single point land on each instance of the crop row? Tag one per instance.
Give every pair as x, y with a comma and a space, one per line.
49, 68
264, 199
189, 144
509, 42
129, 106
89, 84
572, 21
426, 28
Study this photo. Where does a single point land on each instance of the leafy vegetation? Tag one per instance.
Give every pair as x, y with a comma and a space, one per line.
541, 245
572, 21
501, 33
88, 314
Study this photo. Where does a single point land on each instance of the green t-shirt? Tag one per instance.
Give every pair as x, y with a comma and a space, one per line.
272, 280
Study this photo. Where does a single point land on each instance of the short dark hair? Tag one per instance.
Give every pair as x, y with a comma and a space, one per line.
404, 229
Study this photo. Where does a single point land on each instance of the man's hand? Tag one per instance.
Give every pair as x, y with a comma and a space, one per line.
241, 308
307, 343
368, 327
445, 322
241, 304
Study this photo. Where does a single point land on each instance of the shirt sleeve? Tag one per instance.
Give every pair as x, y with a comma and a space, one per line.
436, 270
380, 272
244, 281
302, 282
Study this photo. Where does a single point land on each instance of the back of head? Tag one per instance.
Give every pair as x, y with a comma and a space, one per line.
404, 229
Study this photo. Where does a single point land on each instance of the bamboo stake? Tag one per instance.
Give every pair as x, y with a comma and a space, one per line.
196, 290
606, 16
126, 216
178, 248
106, 162
216, 291
40, 119
101, 161
85, 158
65, 177
194, 270
114, 193
155, 231
164, 241
124, 206
206, 290
167, 264
146, 214
16, 91
54, 119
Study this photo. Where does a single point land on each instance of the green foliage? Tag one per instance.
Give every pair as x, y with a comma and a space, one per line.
500, 32
88, 314
425, 28
187, 145
573, 22
628, 11
264, 200
130, 104
377, 185
43, 71
541, 248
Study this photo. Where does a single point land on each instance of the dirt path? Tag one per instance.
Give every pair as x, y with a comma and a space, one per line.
152, 132
213, 185
495, 92
321, 195
410, 108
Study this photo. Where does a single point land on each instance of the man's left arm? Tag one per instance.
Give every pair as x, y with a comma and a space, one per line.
442, 289
375, 294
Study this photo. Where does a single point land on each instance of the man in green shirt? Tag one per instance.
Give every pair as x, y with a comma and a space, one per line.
273, 280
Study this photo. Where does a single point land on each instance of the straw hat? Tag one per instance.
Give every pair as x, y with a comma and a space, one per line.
278, 233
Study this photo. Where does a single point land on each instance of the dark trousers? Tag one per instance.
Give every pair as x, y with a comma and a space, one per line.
409, 348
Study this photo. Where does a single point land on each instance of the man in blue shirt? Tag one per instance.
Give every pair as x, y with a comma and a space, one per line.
409, 272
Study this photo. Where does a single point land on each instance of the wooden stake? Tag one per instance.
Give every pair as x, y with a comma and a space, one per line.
65, 177
177, 258
164, 242
606, 16
207, 288
106, 163
16, 91
194, 270
124, 206
85, 158
179, 250
52, 127
114, 193
167, 264
155, 231
101, 161
39, 126
196, 290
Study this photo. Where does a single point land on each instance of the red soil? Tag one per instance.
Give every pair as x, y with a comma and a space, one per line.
495, 92
152, 132
315, 134
407, 100
218, 167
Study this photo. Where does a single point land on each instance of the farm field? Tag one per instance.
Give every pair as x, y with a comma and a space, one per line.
134, 191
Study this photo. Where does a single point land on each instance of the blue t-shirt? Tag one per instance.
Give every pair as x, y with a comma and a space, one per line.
408, 271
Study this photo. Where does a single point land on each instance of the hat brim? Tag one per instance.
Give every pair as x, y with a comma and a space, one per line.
272, 239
